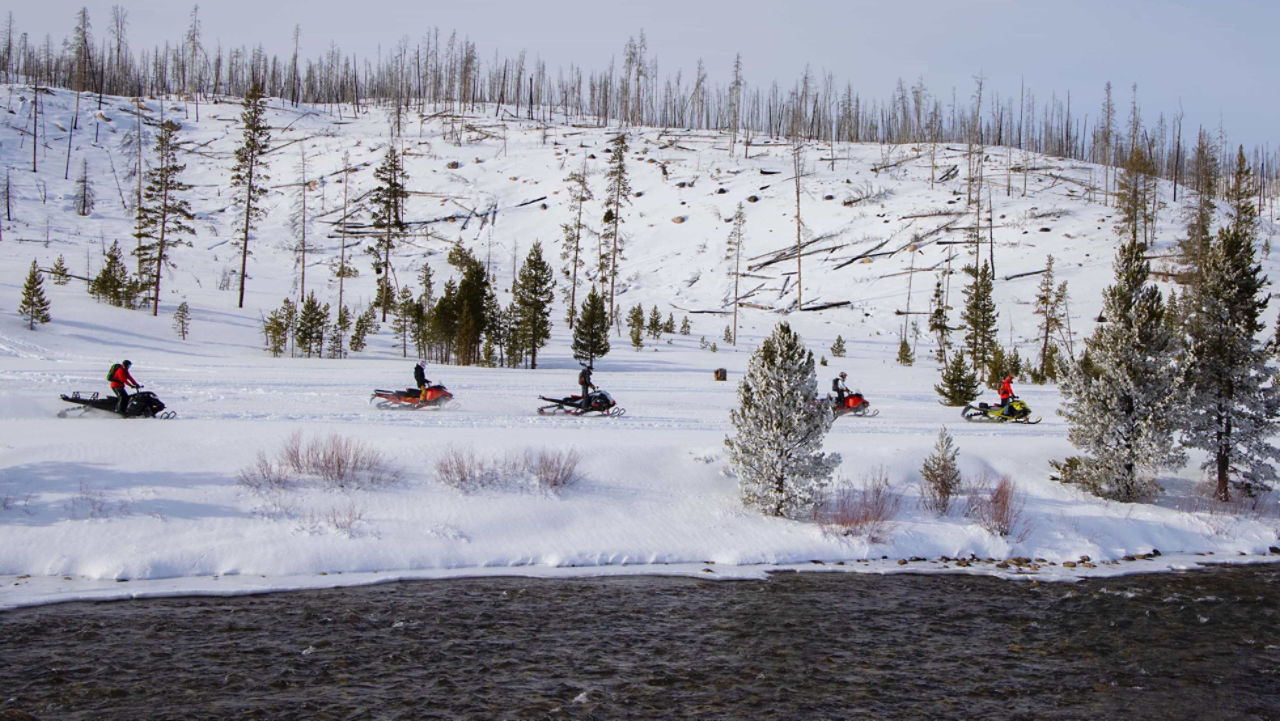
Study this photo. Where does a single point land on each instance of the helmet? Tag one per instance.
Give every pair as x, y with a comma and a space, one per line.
422, 364
126, 364
843, 374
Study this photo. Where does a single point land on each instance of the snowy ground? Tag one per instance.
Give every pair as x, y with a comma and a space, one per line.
97, 507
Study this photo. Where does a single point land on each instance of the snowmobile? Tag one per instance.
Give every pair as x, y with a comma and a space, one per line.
598, 401
1015, 410
143, 404
854, 405
411, 398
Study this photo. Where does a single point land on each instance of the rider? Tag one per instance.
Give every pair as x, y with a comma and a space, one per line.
584, 380
840, 389
119, 379
420, 378
1006, 393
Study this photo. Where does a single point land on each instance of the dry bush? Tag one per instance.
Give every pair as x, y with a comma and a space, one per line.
345, 519
1205, 498
866, 511
553, 470
337, 461
544, 470
998, 509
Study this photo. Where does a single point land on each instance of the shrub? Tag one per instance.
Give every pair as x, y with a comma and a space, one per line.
998, 509
337, 461
542, 470
865, 511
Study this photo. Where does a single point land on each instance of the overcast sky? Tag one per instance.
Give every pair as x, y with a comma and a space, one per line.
1214, 59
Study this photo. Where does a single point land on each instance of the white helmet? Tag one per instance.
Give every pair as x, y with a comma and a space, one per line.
422, 363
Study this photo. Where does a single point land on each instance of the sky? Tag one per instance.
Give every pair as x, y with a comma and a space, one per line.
1203, 58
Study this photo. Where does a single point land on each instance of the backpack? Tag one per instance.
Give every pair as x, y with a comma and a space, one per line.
111, 374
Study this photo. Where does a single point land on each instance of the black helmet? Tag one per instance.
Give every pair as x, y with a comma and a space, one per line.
126, 364
843, 374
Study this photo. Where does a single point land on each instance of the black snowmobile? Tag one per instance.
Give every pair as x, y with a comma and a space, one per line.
597, 401
143, 404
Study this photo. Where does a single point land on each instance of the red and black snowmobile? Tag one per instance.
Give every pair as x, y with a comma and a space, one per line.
437, 396
143, 404
853, 405
598, 401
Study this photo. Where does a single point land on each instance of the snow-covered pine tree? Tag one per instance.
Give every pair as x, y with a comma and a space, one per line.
980, 318
780, 425
1119, 399
34, 306
535, 289
1230, 381
959, 384
591, 334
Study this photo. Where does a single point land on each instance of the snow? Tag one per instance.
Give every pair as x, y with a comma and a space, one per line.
97, 507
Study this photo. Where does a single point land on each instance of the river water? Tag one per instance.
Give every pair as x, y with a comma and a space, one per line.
1192, 645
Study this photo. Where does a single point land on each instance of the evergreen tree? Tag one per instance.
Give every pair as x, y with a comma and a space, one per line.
164, 215
338, 332
1230, 380
470, 310
653, 327
277, 327
1135, 187
938, 322
980, 318
635, 324
617, 192
941, 474
387, 203
959, 383
1203, 176
780, 425
366, 323
249, 174
1050, 305
669, 325
734, 253
685, 327
906, 356
59, 271
534, 292
728, 335
837, 348
182, 320
402, 316
300, 222
591, 334
112, 284
572, 248
84, 196
34, 306
1118, 401
313, 320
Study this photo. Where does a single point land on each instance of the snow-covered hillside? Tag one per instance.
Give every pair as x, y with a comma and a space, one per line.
85, 503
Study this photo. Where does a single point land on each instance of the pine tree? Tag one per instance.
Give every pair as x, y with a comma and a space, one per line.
1135, 187
591, 334
572, 248
1050, 305
938, 322
653, 327
59, 271
182, 320
534, 292
959, 383
1118, 401
249, 174
337, 333
685, 327
635, 324
837, 349
277, 327
402, 318
733, 252
472, 314
727, 337
1230, 380
164, 216
112, 284
906, 356
34, 306
617, 192
1203, 173
300, 222
941, 474
366, 323
387, 203
84, 196
980, 318
780, 425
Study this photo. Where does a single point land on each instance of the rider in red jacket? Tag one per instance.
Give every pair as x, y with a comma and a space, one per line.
1006, 392
119, 379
